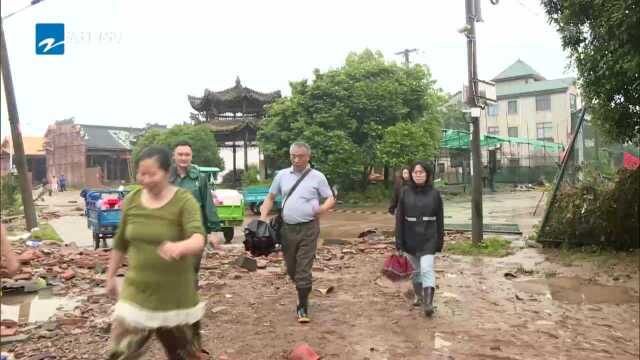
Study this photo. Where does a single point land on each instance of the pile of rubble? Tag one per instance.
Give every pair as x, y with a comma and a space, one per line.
70, 269
80, 274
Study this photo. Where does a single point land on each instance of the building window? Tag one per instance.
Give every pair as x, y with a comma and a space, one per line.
544, 131
514, 162
493, 130
492, 110
543, 103
513, 131
512, 107
573, 102
441, 168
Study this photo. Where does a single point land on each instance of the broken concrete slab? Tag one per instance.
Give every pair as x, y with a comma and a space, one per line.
325, 290
12, 339
335, 242
247, 263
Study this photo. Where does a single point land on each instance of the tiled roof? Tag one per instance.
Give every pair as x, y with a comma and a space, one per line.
518, 70
109, 137
533, 87
33, 145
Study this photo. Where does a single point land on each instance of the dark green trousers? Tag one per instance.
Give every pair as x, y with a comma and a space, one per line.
299, 244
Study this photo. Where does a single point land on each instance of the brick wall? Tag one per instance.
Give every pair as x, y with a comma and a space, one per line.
66, 152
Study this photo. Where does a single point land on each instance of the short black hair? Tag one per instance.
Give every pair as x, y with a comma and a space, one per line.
428, 168
160, 153
183, 142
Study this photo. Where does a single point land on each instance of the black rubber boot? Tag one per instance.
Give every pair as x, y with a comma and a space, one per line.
417, 289
428, 301
303, 297
302, 310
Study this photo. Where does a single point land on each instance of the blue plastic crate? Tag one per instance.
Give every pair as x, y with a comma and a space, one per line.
109, 217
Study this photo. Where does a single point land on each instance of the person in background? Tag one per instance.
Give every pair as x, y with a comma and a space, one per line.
54, 184
10, 263
420, 230
186, 175
160, 233
62, 183
400, 183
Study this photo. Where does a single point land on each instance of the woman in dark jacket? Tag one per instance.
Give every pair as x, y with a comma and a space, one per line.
401, 181
420, 230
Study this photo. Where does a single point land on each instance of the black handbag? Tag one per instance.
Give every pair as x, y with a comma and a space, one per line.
259, 238
277, 221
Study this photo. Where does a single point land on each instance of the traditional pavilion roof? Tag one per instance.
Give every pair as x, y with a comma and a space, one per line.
230, 126
238, 99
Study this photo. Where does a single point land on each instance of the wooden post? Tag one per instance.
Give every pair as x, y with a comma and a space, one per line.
16, 137
118, 166
563, 168
235, 170
246, 135
246, 151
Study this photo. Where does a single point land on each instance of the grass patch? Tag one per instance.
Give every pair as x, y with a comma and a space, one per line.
374, 195
46, 232
600, 256
492, 246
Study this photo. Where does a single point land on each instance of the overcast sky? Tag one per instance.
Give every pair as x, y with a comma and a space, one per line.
128, 63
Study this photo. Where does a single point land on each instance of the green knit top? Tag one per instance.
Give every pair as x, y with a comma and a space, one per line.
151, 282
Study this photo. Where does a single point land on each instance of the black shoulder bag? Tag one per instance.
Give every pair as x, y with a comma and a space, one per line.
277, 221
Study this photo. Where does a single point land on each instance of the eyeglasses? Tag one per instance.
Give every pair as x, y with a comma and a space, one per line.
295, 156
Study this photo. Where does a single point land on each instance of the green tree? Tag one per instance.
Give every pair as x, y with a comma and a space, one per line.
201, 137
407, 142
347, 110
603, 37
335, 155
455, 118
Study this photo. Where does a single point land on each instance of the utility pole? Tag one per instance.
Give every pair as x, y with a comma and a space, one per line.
472, 101
18, 146
406, 53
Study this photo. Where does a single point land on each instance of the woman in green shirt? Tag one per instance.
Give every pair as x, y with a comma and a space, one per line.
160, 232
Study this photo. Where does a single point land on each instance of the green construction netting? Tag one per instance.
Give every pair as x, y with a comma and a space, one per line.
460, 139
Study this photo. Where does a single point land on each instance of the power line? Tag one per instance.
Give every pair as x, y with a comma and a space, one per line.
406, 53
526, 7
31, 4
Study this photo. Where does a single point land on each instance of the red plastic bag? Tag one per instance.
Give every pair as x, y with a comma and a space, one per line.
397, 267
303, 352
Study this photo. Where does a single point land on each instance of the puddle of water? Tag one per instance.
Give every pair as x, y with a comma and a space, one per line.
36, 307
575, 290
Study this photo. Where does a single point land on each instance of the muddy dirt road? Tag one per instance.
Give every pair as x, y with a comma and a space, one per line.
530, 305
540, 310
